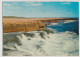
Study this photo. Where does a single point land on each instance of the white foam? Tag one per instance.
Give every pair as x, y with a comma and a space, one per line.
56, 44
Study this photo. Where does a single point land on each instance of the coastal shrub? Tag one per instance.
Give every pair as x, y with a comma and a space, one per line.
29, 34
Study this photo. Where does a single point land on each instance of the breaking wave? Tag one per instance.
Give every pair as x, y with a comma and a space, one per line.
41, 43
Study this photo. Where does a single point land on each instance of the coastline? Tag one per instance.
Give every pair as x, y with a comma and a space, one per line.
65, 21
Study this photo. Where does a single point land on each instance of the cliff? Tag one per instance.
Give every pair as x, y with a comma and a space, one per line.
15, 25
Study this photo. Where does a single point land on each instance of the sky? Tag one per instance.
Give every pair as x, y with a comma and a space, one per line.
41, 9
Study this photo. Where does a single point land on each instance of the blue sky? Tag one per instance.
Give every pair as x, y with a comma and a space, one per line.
41, 9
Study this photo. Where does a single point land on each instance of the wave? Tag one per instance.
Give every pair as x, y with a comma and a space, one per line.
72, 26
40, 43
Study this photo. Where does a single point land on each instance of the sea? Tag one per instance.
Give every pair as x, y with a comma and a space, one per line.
62, 27
64, 41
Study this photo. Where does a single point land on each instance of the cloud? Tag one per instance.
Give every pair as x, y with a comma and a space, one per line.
32, 4
10, 4
66, 3
7, 4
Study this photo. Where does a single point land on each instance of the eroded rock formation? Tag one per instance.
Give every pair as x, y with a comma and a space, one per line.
27, 24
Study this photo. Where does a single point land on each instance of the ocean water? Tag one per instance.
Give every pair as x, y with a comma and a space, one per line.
62, 27
63, 42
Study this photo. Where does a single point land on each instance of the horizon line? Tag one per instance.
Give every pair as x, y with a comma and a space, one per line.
37, 17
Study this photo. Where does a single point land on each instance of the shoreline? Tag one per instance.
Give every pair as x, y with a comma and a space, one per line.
65, 21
